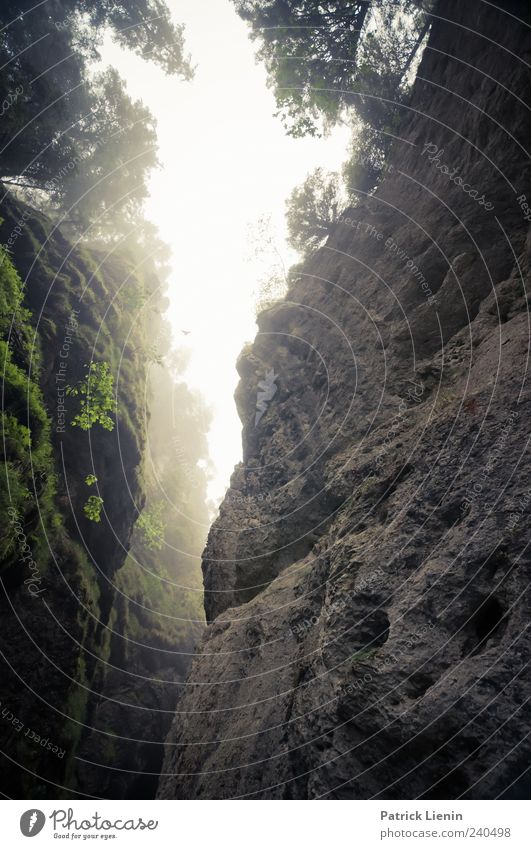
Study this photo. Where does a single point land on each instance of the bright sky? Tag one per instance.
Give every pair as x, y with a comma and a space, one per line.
226, 163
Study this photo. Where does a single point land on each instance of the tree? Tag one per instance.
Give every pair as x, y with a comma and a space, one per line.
366, 161
323, 56
384, 64
97, 399
152, 525
142, 26
78, 138
312, 209
108, 174
264, 252
300, 42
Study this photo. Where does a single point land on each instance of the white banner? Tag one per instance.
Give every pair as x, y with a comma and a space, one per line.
266, 824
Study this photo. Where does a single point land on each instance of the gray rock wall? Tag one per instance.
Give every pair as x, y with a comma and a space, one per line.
365, 580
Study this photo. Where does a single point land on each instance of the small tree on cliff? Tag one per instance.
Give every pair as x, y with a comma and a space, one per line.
97, 397
366, 161
312, 209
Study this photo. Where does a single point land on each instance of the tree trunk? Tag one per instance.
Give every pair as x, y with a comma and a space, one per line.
413, 53
18, 183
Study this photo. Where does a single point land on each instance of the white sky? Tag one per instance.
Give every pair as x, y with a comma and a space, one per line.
226, 163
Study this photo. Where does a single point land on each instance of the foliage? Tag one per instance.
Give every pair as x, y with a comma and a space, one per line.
308, 49
91, 479
24, 400
25, 447
144, 26
324, 57
97, 399
312, 209
74, 136
152, 526
111, 163
92, 508
153, 355
133, 298
366, 162
271, 290
10, 292
272, 283
386, 59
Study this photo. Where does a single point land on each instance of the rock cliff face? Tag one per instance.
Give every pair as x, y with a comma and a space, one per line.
365, 580
85, 661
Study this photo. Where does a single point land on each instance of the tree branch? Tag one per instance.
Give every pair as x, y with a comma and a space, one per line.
413, 53
18, 183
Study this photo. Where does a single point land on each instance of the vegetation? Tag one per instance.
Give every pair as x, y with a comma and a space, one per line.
263, 251
330, 63
312, 209
97, 398
309, 52
324, 58
364, 655
88, 152
92, 508
366, 161
151, 526
26, 457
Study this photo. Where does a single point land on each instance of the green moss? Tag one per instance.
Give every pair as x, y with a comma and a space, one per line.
75, 710
364, 655
25, 448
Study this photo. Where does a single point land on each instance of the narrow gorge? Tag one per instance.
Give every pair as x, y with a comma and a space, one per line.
349, 186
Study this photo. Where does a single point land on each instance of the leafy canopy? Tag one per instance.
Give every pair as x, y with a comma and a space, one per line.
301, 43
74, 136
322, 57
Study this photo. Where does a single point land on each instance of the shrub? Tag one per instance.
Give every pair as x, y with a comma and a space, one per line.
151, 525
92, 509
97, 401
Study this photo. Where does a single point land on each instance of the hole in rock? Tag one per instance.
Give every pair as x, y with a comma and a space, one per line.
418, 684
487, 622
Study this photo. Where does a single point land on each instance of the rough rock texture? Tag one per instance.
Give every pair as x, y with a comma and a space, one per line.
75, 668
365, 580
